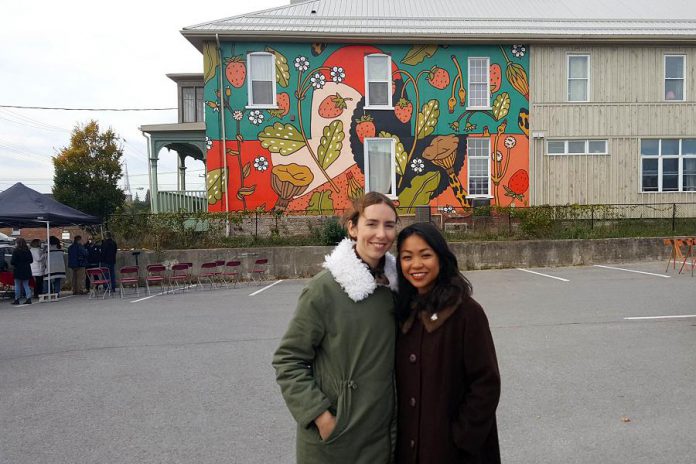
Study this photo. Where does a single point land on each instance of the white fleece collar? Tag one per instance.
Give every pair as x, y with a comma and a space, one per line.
353, 275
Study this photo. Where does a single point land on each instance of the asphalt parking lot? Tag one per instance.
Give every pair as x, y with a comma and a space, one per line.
598, 366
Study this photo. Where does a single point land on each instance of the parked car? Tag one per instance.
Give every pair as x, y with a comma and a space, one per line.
6, 250
6, 239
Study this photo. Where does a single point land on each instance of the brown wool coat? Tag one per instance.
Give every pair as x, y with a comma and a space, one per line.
448, 387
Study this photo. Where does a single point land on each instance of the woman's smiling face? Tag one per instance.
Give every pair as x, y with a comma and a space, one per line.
374, 233
419, 263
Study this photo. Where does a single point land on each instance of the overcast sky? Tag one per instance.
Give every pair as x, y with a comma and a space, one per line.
91, 54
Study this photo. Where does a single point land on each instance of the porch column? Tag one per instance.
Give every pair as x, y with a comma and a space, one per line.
181, 178
154, 203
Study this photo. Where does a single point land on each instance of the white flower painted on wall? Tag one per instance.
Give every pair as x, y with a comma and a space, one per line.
256, 117
301, 64
318, 81
519, 50
261, 163
417, 165
337, 74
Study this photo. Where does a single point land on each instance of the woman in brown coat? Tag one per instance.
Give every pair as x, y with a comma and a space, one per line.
447, 375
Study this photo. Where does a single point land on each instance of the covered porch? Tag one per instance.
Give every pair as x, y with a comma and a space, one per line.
187, 140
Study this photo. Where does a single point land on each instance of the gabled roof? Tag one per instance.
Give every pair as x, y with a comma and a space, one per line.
461, 21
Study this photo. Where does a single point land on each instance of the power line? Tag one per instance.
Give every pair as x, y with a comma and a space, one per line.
22, 120
58, 108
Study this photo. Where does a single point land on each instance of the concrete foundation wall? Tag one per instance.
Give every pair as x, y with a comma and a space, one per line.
294, 262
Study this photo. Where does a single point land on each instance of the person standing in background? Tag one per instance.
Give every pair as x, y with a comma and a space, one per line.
38, 266
21, 260
93, 257
57, 267
108, 257
77, 260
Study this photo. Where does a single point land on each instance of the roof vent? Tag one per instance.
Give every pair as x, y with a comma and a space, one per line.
314, 11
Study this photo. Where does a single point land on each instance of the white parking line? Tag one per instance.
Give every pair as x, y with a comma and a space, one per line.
544, 275
658, 317
265, 288
631, 270
161, 293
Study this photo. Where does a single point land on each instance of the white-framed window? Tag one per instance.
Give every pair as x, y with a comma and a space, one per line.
479, 83
479, 166
380, 168
262, 80
577, 147
578, 78
668, 165
378, 82
675, 68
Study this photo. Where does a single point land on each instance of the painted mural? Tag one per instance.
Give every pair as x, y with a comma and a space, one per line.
308, 154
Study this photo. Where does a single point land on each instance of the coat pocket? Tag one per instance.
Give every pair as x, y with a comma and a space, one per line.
343, 404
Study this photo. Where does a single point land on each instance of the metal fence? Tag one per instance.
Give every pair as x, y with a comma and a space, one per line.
192, 230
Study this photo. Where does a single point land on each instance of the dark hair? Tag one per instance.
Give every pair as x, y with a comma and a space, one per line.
53, 240
36, 243
361, 203
21, 244
108, 235
450, 286
77, 238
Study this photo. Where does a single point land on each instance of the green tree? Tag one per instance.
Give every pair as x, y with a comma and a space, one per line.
88, 170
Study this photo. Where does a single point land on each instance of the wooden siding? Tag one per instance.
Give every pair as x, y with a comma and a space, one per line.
626, 104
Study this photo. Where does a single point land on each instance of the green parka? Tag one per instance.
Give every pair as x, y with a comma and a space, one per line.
338, 355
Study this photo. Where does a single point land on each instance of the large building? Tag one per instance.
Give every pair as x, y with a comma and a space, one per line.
444, 103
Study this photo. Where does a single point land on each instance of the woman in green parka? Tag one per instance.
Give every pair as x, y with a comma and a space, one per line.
335, 364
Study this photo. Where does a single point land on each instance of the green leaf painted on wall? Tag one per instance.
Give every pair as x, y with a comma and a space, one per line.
418, 53
211, 61
427, 119
501, 106
331, 143
246, 191
281, 138
321, 203
420, 192
401, 155
282, 69
216, 181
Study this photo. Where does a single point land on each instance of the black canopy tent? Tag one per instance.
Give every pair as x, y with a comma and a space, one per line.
21, 206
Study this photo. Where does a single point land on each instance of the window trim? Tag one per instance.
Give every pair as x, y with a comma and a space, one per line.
664, 77
366, 163
587, 147
488, 81
660, 170
488, 165
588, 78
197, 104
390, 83
250, 103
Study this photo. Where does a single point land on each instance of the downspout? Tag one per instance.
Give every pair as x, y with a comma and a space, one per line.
224, 139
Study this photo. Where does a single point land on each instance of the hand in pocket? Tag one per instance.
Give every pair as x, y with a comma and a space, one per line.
326, 423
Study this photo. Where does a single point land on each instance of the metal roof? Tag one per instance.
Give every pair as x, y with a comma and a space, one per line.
461, 21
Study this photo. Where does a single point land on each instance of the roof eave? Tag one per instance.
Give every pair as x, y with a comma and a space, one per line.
197, 38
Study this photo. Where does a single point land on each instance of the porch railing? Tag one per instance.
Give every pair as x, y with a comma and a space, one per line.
173, 201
